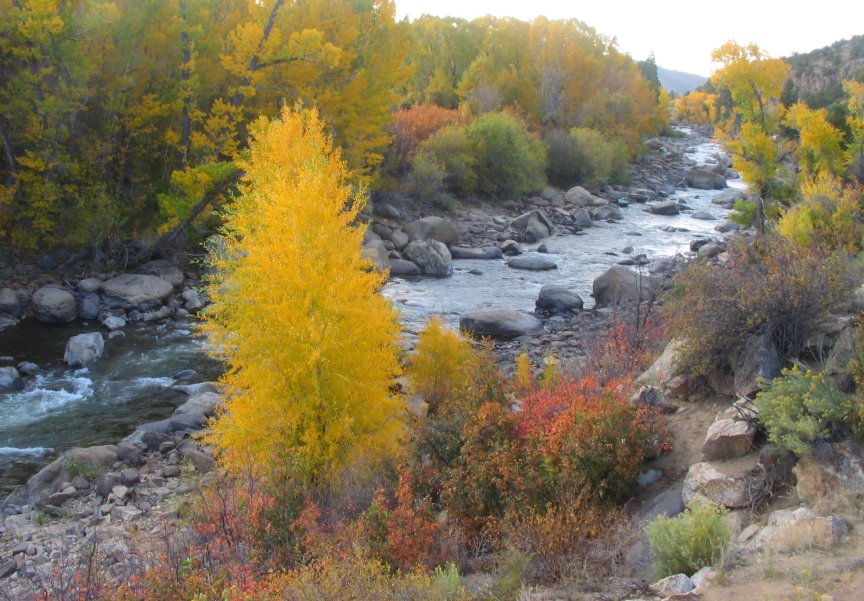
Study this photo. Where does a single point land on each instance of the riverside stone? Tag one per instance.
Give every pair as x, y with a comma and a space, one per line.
532, 263
532, 226
500, 323
10, 379
165, 270
432, 228
54, 305
484, 253
431, 256
84, 349
619, 285
141, 291
557, 299
9, 302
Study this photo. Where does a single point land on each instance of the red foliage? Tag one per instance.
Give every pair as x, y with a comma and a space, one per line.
411, 126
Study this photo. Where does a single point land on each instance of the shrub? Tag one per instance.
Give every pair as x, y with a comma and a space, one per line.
427, 181
441, 369
828, 216
770, 286
690, 541
449, 148
799, 408
411, 126
509, 160
586, 155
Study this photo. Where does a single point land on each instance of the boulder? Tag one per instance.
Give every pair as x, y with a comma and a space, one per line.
621, 285
532, 263
10, 379
500, 323
665, 368
194, 413
137, 290
114, 322
387, 211
728, 438
727, 198
605, 213
431, 256
376, 252
710, 250
557, 299
581, 197
727, 227
755, 359
84, 349
89, 306
201, 460
720, 484
403, 267
48, 480
582, 219
705, 179
54, 305
89, 285
703, 215
679, 584
485, 253
432, 228
9, 303
532, 226
194, 300
831, 478
399, 239
799, 530
165, 270
664, 207
512, 248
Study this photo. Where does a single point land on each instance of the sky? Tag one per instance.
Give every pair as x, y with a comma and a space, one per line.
681, 34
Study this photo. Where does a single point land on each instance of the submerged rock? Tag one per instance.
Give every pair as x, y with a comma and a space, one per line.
84, 349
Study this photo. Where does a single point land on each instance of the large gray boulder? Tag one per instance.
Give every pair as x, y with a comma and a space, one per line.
581, 218
500, 323
484, 253
431, 256
432, 228
375, 251
557, 299
137, 290
403, 267
831, 478
799, 529
752, 361
664, 207
194, 413
605, 213
581, 197
719, 484
165, 270
532, 263
620, 285
727, 198
10, 379
729, 438
84, 349
54, 305
532, 226
9, 302
705, 179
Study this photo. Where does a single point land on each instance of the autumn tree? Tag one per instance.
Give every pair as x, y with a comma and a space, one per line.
819, 143
310, 344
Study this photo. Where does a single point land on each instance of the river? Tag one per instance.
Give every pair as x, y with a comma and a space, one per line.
62, 408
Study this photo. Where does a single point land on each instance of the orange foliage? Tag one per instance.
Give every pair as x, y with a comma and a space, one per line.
412, 126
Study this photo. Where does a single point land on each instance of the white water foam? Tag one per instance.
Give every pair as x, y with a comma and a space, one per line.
147, 382
44, 396
29, 451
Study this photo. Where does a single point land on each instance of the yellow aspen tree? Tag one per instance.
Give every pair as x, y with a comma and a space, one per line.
310, 345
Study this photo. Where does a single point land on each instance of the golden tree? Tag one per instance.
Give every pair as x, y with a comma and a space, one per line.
309, 342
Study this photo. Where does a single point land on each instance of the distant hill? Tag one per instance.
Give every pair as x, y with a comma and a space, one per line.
816, 76
679, 81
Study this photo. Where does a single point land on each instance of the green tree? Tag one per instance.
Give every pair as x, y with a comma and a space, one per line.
310, 344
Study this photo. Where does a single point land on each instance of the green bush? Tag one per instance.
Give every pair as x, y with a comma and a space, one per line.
509, 160
690, 541
449, 148
799, 408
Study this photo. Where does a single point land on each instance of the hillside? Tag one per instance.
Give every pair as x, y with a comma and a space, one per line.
816, 76
679, 81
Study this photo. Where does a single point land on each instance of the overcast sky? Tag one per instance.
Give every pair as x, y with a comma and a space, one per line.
680, 33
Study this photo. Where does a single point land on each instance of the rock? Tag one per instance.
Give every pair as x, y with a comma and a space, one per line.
403, 267
84, 349
605, 213
485, 253
728, 438
718, 484
664, 207
799, 530
7, 321
139, 291
703, 215
755, 359
727, 198
581, 197
399, 239
170, 471
28, 369
532, 226
376, 251
831, 478
114, 322
500, 323
194, 300
9, 303
532, 263
165, 270
50, 477
431, 256
432, 228
129, 477
387, 211
673, 585
582, 219
511, 248
105, 484
125, 513
704, 179
54, 305
620, 285
89, 285
194, 413
710, 250
703, 577
10, 379
202, 462
89, 306
154, 439
557, 299
727, 227
7, 568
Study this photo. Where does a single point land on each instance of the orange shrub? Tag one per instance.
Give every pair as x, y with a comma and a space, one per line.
412, 126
